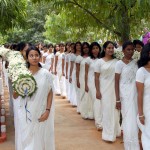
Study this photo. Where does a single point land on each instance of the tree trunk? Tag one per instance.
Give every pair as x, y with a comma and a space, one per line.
125, 24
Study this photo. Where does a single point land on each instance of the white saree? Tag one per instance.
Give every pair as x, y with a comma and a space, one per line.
56, 78
73, 84
143, 76
59, 74
110, 115
35, 135
89, 98
128, 98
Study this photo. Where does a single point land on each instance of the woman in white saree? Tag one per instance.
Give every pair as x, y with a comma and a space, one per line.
143, 88
36, 113
80, 73
60, 72
92, 106
105, 83
67, 69
49, 60
126, 94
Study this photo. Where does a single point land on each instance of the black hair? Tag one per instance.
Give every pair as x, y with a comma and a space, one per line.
21, 46
7, 45
76, 45
14, 46
91, 47
67, 43
127, 43
40, 43
145, 56
73, 46
87, 44
115, 44
61, 44
104, 47
27, 54
45, 45
135, 42
55, 48
50, 45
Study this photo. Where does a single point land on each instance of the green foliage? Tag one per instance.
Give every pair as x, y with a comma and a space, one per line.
58, 29
34, 25
12, 13
73, 20
3, 39
119, 17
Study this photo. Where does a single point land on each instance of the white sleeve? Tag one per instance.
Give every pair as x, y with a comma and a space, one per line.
79, 59
140, 76
97, 67
67, 58
50, 79
118, 67
88, 61
72, 57
52, 55
57, 53
63, 56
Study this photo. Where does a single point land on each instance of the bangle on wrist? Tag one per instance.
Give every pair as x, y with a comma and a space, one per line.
141, 116
118, 101
47, 109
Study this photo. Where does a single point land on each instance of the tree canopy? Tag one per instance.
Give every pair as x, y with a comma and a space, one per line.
33, 28
122, 18
73, 20
12, 13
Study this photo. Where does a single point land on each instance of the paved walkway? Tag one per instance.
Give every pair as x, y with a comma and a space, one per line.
71, 131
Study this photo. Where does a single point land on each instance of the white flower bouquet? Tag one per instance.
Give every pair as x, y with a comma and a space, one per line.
22, 80
25, 85
118, 54
136, 55
3, 51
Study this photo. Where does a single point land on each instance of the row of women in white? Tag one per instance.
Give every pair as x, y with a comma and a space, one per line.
33, 116
101, 87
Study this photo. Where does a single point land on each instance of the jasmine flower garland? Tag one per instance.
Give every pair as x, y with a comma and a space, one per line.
22, 80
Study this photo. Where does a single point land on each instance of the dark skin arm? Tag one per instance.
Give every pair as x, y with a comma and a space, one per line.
97, 85
77, 74
118, 102
56, 60
66, 70
71, 69
63, 64
86, 77
140, 90
51, 68
15, 95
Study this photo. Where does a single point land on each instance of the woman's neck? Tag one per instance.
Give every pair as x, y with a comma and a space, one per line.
108, 57
127, 58
34, 69
85, 55
94, 58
